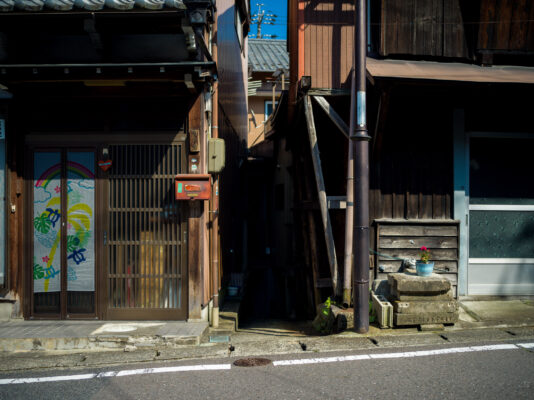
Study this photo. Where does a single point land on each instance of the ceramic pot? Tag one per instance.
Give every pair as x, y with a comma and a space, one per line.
424, 269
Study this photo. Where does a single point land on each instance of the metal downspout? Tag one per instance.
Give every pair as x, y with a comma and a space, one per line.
360, 142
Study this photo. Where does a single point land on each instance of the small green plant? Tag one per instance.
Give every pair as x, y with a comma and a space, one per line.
327, 306
424, 255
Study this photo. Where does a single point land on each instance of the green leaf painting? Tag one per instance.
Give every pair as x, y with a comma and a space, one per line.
42, 223
38, 272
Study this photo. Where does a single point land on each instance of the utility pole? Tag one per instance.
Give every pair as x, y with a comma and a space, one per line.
260, 17
359, 139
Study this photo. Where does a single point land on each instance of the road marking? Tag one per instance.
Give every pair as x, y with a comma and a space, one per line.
302, 361
409, 354
109, 374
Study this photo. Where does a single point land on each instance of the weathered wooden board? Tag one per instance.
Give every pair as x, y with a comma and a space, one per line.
423, 27
418, 230
506, 25
325, 216
396, 266
392, 242
437, 254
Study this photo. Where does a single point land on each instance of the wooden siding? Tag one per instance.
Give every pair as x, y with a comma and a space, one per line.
506, 25
328, 42
399, 239
411, 172
423, 28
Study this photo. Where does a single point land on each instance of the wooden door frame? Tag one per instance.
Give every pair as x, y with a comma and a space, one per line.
63, 149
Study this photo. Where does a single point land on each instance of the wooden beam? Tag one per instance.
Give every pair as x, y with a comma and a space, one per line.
329, 237
334, 116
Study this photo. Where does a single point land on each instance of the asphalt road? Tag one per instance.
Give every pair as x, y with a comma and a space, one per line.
505, 372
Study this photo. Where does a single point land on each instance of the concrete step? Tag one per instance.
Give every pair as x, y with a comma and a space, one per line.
97, 335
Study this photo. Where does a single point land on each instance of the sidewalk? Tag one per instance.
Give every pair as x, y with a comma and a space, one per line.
20, 335
49, 344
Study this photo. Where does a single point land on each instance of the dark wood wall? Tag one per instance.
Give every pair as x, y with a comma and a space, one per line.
467, 29
506, 25
412, 170
423, 27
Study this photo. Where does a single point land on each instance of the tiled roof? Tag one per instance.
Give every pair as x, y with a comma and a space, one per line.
91, 5
267, 55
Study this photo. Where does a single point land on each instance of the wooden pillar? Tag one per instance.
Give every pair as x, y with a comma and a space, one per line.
15, 221
196, 223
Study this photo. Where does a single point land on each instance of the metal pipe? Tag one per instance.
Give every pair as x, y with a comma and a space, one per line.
349, 216
360, 141
215, 192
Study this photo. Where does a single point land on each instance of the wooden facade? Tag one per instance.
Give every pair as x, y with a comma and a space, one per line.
417, 152
131, 95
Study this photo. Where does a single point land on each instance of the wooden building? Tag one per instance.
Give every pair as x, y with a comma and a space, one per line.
102, 104
447, 109
268, 62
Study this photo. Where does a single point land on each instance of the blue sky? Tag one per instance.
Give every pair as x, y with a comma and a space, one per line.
277, 7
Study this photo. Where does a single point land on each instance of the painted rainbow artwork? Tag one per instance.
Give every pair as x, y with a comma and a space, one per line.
50, 173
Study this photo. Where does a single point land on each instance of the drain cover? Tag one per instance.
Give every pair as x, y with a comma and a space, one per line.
252, 362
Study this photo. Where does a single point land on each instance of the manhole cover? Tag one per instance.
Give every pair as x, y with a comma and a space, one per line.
252, 362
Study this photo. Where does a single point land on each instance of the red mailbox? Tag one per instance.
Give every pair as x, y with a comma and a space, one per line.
193, 186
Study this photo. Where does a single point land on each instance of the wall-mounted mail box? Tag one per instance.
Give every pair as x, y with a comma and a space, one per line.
193, 186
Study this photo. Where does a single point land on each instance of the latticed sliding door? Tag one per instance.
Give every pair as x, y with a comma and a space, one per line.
145, 234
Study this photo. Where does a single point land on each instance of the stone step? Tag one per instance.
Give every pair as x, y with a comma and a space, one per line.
422, 296
425, 318
405, 283
415, 307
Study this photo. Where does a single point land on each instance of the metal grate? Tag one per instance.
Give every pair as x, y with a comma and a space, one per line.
145, 243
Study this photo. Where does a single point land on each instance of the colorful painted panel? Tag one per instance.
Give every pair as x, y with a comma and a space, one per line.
80, 221
47, 222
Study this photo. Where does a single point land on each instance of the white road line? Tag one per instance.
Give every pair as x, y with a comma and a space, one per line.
110, 374
302, 361
409, 354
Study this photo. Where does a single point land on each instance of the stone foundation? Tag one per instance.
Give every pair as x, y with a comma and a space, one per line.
421, 300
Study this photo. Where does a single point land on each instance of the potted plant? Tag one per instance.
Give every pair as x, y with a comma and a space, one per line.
423, 266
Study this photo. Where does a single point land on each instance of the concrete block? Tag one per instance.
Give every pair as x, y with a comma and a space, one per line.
413, 284
6, 309
415, 307
383, 310
425, 319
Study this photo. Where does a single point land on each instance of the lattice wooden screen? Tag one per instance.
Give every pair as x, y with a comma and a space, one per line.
145, 240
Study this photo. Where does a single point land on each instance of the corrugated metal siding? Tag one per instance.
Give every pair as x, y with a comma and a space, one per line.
328, 42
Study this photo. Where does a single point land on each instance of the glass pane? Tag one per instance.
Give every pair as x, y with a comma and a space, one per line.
501, 234
501, 171
47, 231
80, 231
